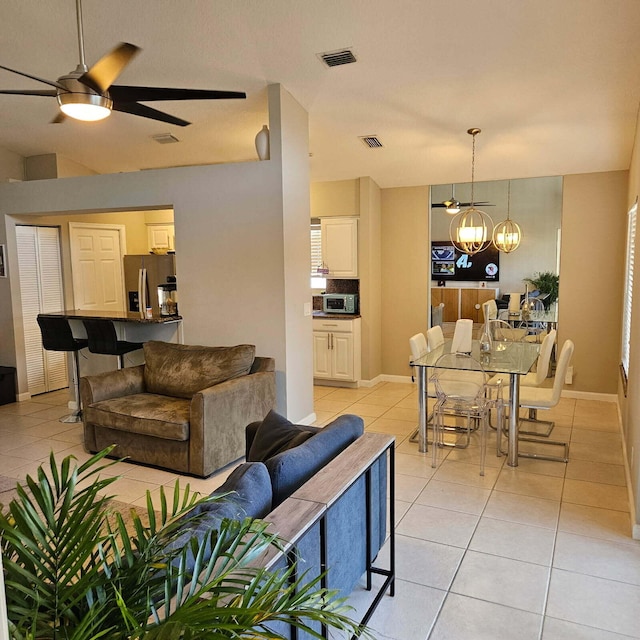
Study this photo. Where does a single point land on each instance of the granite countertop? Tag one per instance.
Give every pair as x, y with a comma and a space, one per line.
335, 316
117, 316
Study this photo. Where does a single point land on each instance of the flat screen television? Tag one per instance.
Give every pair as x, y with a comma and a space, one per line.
447, 263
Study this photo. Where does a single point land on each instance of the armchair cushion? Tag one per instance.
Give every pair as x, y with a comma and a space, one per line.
274, 435
181, 370
144, 413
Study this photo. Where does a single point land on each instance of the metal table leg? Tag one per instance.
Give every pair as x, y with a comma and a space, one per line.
514, 418
422, 409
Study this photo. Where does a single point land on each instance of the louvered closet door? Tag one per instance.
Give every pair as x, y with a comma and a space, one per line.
41, 291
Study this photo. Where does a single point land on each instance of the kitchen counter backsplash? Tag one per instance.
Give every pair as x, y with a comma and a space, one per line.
338, 286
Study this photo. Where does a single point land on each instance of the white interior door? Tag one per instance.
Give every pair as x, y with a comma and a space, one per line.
96, 263
41, 291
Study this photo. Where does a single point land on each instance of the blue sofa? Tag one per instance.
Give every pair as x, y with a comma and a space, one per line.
281, 457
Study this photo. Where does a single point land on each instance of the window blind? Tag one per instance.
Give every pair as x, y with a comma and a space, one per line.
628, 289
316, 249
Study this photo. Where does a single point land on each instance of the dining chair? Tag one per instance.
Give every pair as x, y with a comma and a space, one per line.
435, 338
419, 347
503, 332
489, 310
463, 396
545, 398
534, 329
462, 336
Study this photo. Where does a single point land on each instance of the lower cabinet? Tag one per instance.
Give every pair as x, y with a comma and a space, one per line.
336, 349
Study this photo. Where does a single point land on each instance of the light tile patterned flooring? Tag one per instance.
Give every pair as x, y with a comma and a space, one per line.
539, 551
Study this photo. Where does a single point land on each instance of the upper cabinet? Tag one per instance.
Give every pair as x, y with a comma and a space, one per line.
160, 236
340, 246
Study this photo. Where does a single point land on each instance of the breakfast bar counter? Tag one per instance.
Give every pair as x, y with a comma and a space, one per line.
129, 326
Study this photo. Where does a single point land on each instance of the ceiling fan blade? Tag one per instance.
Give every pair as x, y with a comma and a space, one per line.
104, 72
444, 205
51, 83
147, 94
30, 92
59, 118
147, 112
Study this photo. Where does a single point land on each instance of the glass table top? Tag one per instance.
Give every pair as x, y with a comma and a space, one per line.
504, 357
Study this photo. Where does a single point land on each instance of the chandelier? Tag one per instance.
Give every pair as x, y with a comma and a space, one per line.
507, 234
471, 230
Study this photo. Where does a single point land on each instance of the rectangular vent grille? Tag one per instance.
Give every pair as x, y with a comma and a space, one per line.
165, 138
371, 141
337, 58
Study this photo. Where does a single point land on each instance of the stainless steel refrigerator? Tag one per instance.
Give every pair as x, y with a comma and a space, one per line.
142, 275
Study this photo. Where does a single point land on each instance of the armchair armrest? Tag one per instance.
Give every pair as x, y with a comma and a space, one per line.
113, 384
219, 415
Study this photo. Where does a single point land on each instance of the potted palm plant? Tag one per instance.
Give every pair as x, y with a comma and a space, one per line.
546, 282
76, 570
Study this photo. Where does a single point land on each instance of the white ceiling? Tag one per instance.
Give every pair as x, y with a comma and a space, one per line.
554, 84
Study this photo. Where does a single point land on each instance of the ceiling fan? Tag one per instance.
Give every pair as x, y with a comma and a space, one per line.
453, 206
88, 93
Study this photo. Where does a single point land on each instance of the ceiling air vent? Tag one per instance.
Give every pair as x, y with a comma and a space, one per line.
336, 58
165, 138
371, 141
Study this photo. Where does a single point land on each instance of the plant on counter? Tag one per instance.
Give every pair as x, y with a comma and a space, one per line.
546, 282
75, 570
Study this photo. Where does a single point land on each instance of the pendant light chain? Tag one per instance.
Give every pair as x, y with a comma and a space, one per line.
473, 166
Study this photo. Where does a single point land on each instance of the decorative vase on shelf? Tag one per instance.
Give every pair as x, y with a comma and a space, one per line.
262, 143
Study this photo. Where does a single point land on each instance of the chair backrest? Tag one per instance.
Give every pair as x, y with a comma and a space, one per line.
462, 336
435, 338
542, 367
56, 334
561, 370
501, 331
418, 345
489, 310
458, 376
102, 336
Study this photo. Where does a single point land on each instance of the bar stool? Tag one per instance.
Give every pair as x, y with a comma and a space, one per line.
57, 336
103, 340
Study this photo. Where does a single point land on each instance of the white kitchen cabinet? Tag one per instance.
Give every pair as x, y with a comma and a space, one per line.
340, 246
160, 236
336, 349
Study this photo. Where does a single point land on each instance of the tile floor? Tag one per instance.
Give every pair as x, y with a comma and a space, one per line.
539, 551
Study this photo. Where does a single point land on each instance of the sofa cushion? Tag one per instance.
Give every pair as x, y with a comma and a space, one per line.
275, 435
144, 413
182, 370
290, 469
249, 489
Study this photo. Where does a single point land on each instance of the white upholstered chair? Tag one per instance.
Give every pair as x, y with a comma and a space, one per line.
546, 398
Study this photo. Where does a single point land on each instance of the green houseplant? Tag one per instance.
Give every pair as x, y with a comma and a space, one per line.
76, 570
546, 282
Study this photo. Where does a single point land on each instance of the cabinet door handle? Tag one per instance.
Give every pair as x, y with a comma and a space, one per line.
331, 341
328, 341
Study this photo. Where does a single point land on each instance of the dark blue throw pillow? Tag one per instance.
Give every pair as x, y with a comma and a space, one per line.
275, 435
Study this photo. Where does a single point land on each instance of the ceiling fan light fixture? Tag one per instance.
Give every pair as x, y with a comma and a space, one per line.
88, 107
452, 206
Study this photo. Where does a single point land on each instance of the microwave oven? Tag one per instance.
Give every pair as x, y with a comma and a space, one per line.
339, 302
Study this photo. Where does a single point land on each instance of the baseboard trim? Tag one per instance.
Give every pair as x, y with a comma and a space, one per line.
23, 397
590, 395
391, 378
635, 526
308, 420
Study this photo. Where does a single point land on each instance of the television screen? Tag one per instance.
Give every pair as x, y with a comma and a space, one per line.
447, 263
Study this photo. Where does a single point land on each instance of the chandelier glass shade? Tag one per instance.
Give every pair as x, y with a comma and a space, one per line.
470, 231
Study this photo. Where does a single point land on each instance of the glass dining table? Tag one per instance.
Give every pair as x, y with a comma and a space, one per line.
513, 359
